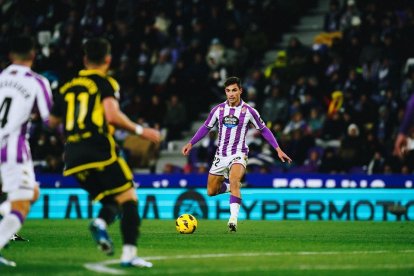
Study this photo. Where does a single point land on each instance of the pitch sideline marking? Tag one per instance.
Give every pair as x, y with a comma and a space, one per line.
102, 266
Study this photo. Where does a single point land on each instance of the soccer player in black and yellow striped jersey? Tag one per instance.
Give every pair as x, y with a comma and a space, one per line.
87, 106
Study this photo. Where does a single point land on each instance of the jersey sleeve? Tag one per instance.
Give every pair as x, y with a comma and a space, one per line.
408, 120
255, 119
44, 98
212, 118
109, 88
57, 108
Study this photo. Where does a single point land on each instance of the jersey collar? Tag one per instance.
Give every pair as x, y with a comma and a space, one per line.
239, 105
18, 67
87, 72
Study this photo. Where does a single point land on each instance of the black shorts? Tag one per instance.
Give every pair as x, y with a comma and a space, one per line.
108, 181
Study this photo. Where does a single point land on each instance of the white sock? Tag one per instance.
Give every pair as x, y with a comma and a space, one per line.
129, 252
100, 223
5, 208
234, 210
9, 225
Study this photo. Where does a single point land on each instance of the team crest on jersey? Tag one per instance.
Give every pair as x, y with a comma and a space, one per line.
244, 109
230, 121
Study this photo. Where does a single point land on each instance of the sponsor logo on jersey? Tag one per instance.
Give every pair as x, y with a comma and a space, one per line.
230, 121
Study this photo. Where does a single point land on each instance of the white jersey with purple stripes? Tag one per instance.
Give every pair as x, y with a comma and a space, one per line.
233, 123
22, 91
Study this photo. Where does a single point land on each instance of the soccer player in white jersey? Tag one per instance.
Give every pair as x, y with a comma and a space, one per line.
233, 118
21, 92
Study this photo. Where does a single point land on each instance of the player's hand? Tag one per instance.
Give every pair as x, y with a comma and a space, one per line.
283, 156
151, 134
400, 145
186, 149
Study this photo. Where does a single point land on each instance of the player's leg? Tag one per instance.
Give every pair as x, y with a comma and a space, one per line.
119, 180
89, 180
130, 225
216, 185
236, 174
5, 205
5, 208
98, 226
20, 185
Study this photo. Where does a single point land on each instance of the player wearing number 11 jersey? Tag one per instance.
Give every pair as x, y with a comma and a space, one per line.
88, 108
22, 92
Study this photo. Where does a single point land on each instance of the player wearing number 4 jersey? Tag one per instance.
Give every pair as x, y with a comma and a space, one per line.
22, 91
233, 118
88, 107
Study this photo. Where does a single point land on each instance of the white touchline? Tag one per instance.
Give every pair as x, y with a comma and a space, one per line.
102, 266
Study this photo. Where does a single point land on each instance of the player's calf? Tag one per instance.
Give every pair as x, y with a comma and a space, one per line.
101, 237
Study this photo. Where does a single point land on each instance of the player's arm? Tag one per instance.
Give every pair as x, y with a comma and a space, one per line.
259, 124
200, 134
54, 121
116, 117
202, 131
44, 99
271, 139
407, 123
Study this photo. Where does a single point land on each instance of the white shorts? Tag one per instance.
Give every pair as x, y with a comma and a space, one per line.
18, 181
221, 165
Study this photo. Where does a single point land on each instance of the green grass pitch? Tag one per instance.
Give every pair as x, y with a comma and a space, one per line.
64, 247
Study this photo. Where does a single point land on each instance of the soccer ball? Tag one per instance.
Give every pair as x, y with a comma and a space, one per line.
186, 224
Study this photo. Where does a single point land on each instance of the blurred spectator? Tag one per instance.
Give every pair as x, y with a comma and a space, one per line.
156, 111
175, 119
332, 131
135, 108
351, 148
237, 57
255, 41
330, 162
315, 122
161, 71
312, 162
407, 86
275, 107
376, 164
216, 55
350, 16
296, 122
332, 17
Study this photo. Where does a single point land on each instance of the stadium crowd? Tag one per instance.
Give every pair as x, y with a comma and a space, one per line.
334, 106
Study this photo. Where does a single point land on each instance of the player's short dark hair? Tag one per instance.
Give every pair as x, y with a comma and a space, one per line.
232, 80
96, 49
21, 45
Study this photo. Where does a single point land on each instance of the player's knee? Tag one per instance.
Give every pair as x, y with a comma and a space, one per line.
21, 206
128, 195
23, 195
35, 194
235, 185
212, 192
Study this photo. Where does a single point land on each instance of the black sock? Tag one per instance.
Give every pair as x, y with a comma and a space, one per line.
130, 222
109, 212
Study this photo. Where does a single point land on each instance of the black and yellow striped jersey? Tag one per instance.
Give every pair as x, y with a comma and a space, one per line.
89, 141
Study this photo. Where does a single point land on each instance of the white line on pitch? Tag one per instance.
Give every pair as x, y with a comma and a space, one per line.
253, 254
102, 266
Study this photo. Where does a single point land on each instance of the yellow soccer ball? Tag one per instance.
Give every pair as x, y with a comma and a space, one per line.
186, 224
